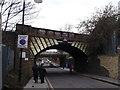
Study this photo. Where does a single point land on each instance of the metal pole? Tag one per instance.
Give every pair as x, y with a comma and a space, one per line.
21, 49
1, 78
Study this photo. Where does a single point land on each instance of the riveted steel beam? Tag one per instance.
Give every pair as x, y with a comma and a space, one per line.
37, 43
34, 46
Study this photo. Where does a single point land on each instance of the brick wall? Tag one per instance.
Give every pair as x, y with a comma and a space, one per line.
110, 62
118, 50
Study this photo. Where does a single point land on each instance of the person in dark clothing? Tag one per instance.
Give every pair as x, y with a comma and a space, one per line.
71, 67
35, 72
42, 73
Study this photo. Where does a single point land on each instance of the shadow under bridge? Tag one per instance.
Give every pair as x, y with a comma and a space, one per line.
80, 58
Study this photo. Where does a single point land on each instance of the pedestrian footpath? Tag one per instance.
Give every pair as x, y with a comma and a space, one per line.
104, 79
33, 86
101, 78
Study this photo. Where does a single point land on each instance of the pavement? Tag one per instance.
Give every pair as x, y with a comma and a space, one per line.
32, 85
104, 79
101, 78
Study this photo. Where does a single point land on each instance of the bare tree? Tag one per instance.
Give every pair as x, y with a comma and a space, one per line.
100, 27
88, 26
67, 27
12, 13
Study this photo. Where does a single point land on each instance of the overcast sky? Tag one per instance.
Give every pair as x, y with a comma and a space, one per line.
55, 14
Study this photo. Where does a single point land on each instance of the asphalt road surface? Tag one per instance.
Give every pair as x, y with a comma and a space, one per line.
62, 79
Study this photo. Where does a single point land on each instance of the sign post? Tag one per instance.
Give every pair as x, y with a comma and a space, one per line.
22, 43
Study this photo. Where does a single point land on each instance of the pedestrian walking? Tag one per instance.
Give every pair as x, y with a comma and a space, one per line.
42, 73
35, 72
71, 67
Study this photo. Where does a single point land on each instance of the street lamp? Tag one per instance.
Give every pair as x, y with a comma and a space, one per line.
38, 1
21, 49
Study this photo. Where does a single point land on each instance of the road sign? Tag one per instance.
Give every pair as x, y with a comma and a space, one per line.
22, 41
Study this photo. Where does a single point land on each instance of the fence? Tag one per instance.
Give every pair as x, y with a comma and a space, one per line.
7, 60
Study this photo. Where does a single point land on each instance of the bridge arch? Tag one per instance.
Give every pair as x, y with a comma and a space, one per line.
80, 58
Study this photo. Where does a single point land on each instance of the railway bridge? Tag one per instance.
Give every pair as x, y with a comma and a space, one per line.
41, 39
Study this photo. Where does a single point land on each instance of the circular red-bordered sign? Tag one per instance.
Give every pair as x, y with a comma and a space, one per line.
22, 42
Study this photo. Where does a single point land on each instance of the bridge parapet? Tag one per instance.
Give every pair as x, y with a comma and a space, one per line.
54, 34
